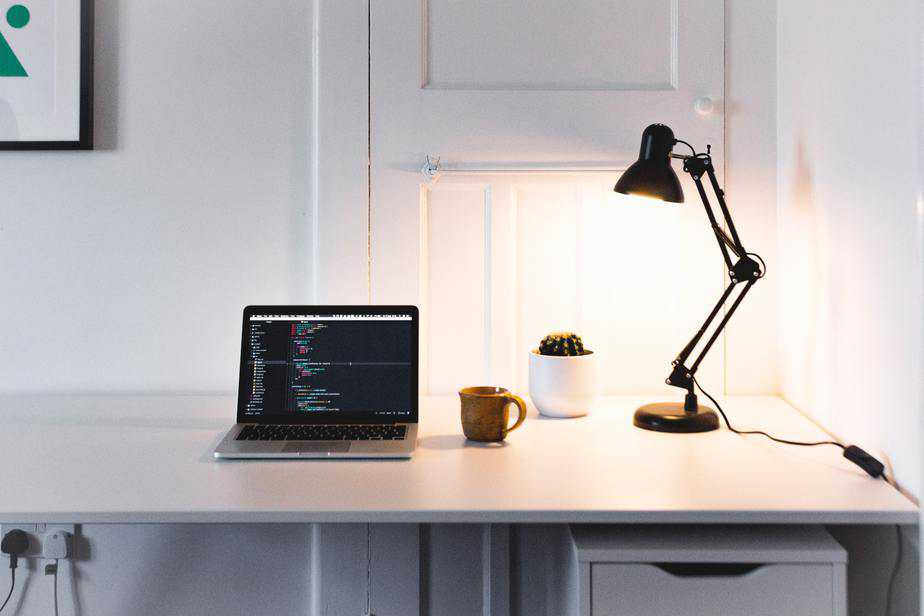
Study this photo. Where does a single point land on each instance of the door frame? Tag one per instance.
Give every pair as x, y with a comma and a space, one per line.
340, 208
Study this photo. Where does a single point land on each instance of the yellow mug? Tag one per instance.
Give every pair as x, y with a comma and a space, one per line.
485, 413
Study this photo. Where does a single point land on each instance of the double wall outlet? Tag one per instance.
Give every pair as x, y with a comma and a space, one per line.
45, 540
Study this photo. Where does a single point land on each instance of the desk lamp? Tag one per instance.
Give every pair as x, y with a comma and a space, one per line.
652, 176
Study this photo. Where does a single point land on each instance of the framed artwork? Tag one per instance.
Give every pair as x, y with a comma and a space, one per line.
46, 74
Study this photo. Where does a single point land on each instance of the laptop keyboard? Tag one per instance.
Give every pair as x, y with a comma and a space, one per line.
332, 432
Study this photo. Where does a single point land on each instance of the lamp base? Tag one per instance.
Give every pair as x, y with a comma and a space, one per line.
671, 417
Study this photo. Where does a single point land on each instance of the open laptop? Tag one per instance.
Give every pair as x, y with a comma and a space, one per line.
326, 382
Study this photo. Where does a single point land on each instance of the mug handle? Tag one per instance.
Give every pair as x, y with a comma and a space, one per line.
521, 408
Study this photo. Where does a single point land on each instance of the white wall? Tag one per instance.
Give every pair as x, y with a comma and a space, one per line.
851, 222
172, 569
750, 186
126, 268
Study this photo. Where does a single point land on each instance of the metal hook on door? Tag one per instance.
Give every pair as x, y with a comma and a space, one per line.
431, 169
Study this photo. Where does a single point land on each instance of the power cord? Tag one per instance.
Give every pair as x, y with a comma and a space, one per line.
763, 265
12, 586
14, 543
895, 568
873, 467
52, 569
56, 587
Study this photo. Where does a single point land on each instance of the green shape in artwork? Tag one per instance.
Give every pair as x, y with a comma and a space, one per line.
10, 66
17, 16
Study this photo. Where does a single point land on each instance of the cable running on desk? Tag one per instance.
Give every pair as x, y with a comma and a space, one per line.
873, 467
761, 432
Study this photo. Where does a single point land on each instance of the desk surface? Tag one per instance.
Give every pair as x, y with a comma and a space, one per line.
81, 459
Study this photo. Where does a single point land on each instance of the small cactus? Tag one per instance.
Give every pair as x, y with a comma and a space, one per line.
562, 344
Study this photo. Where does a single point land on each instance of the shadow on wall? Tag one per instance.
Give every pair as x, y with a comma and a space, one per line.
9, 127
803, 283
873, 581
544, 570
106, 50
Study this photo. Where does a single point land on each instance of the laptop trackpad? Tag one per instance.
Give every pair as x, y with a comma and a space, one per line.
316, 446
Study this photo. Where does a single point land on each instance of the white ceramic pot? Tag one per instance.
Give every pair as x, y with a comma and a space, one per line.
563, 386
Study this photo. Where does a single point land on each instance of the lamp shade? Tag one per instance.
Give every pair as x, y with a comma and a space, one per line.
652, 175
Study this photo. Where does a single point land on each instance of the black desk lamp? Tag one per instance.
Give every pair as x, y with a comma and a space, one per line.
652, 176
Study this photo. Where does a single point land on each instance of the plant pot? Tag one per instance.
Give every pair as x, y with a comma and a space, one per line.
563, 386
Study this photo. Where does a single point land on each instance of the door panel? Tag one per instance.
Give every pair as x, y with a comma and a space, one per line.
507, 45
455, 286
503, 250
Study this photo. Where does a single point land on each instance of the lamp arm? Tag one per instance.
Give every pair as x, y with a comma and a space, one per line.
745, 270
688, 349
723, 237
720, 197
722, 323
698, 166
720, 236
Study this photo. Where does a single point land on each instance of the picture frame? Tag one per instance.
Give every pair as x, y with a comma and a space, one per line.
46, 85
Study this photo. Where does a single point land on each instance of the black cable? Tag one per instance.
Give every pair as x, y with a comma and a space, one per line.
873, 467
12, 586
895, 569
692, 149
761, 432
763, 266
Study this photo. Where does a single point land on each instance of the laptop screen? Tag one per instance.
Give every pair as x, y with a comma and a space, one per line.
329, 365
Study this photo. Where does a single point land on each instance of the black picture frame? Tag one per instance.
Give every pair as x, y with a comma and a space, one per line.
85, 140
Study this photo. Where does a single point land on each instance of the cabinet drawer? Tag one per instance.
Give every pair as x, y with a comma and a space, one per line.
647, 589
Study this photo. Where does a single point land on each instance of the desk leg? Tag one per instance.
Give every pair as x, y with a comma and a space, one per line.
364, 569
544, 573
338, 569
443, 570
464, 569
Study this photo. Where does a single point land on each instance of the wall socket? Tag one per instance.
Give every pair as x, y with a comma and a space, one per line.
38, 537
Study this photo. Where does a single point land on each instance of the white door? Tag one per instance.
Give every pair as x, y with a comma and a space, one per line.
532, 108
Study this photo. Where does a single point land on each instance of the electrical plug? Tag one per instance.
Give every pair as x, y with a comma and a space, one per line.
14, 543
56, 544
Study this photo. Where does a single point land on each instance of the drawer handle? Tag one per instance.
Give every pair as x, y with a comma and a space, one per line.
689, 570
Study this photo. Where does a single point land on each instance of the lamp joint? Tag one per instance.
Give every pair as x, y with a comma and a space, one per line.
745, 270
681, 377
697, 165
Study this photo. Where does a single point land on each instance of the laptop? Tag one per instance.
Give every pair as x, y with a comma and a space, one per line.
326, 382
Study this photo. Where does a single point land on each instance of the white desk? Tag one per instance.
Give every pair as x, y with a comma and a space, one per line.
131, 459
